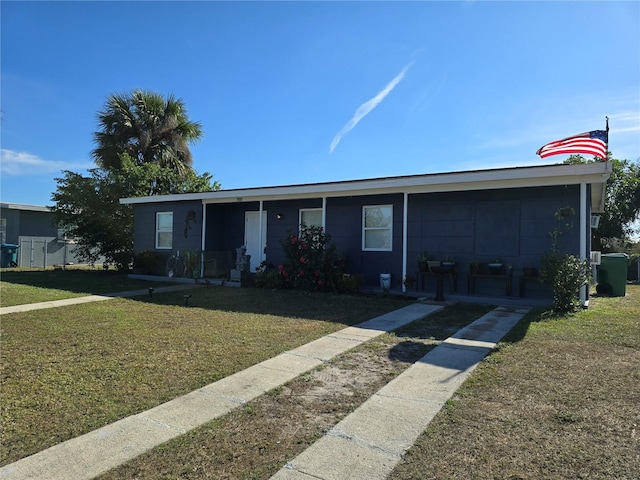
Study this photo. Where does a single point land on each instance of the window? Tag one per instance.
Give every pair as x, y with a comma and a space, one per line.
3, 229
377, 222
164, 230
311, 217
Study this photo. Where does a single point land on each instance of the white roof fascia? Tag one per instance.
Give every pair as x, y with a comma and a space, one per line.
22, 206
518, 177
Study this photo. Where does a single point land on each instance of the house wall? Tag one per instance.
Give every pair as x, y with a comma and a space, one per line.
511, 224
343, 224
144, 227
225, 225
278, 229
27, 223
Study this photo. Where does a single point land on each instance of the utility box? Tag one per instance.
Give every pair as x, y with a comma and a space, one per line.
9, 255
612, 274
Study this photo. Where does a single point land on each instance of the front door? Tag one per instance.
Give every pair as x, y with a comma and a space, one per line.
255, 247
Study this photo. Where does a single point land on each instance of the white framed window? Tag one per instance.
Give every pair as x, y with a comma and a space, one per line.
310, 217
164, 230
377, 228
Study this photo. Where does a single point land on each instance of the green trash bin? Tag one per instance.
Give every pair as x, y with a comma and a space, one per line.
612, 274
9, 255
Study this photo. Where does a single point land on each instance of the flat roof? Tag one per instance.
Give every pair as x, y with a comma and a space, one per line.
595, 174
22, 206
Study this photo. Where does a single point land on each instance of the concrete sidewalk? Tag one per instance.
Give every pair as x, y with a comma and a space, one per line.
93, 298
369, 443
98, 451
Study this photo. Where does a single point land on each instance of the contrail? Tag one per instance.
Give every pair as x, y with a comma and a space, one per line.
367, 106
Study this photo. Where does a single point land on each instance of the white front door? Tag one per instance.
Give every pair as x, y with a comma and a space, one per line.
255, 247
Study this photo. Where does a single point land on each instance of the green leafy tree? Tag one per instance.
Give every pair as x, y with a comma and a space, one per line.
142, 149
622, 202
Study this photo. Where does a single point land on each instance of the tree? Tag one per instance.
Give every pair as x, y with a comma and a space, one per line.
146, 127
622, 202
142, 150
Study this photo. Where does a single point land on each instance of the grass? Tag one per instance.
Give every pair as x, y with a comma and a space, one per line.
20, 286
66, 371
256, 440
558, 400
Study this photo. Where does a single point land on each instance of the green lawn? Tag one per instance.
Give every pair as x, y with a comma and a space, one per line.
66, 371
558, 400
22, 286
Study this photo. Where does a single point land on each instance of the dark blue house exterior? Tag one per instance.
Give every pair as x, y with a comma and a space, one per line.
382, 224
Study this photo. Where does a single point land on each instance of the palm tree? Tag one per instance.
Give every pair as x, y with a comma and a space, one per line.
148, 128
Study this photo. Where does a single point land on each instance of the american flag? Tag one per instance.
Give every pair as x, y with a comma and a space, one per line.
590, 143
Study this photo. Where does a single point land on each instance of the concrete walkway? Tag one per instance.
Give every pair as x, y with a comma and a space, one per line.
98, 451
365, 445
370, 442
93, 298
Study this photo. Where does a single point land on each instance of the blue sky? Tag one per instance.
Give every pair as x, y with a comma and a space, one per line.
301, 92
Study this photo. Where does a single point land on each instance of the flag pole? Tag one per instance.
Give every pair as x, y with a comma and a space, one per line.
606, 151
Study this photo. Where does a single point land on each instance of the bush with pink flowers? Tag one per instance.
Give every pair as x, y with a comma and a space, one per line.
312, 262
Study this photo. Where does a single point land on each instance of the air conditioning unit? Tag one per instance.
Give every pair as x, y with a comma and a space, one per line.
595, 221
595, 258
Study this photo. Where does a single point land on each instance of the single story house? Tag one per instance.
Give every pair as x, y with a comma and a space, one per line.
33, 228
383, 224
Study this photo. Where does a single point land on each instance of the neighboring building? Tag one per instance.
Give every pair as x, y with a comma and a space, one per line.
382, 224
33, 229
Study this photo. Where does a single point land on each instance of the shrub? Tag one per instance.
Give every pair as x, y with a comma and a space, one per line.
268, 279
564, 274
147, 262
312, 262
632, 271
350, 283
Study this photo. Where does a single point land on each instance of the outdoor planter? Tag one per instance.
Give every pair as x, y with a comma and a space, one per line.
495, 268
385, 281
433, 264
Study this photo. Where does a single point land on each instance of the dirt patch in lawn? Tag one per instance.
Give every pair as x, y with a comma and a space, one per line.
256, 440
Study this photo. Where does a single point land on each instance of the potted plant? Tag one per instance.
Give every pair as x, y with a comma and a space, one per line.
385, 282
409, 281
191, 263
448, 261
495, 267
423, 258
474, 267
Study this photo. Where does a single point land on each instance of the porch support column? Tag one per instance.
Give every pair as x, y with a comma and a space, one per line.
260, 227
202, 243
324, 214
405, 229
584, 225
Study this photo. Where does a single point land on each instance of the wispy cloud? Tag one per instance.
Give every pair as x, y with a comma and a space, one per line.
364, 109
24, 163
